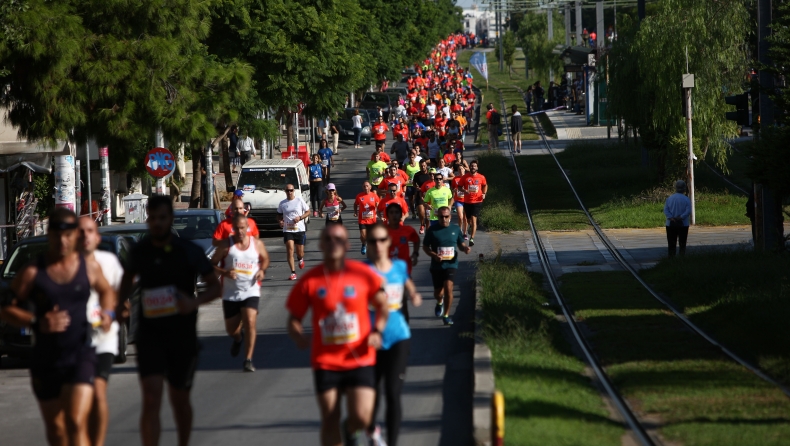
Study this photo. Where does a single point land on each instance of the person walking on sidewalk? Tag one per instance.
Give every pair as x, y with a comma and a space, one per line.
528, 96
246, 148
493, 119
677, 209
233, 148
516, 125
316, 172
241, 263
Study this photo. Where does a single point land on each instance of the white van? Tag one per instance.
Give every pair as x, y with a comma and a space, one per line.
263, 183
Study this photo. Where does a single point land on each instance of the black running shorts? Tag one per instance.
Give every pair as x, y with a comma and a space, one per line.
175, 357
298, 238
330, 379
104, 365
439, 276
232, 308
472, 209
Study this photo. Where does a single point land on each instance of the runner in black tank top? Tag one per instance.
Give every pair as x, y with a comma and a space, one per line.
63, 362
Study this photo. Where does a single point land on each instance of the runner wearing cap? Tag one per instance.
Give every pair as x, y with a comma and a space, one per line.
333, 205
241, 263
365, 206
344, 339
291, 214
225, 227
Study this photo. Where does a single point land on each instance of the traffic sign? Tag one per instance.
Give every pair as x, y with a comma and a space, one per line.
160, 163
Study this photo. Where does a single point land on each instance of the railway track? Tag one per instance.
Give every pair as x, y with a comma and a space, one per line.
637, 428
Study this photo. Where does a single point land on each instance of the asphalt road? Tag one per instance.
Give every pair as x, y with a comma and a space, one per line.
276, 404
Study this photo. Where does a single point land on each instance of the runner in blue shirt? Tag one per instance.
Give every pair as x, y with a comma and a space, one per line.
326, 158
395, 340
316, 182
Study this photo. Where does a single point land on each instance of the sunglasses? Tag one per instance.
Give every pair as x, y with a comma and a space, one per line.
438, 179
289, 190
378, 240
445, 217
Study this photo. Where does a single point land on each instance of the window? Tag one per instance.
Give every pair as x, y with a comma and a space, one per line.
22, 255
268, 177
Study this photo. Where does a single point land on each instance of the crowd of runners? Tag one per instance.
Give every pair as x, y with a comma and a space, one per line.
360, 341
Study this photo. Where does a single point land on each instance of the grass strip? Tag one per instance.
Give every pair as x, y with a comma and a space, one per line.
740, 297
669, 374
503, 209
551, 201
617, 189
548, 400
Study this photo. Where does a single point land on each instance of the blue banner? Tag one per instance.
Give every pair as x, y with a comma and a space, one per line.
478, 60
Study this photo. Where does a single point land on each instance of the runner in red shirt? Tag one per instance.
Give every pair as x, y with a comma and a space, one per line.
392, 177
343, 344
225, 228
401, 236
380, 130
382, 155
393, 198
365, 210
458, 199
475, 188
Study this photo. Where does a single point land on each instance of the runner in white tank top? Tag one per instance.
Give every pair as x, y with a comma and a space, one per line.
241, 263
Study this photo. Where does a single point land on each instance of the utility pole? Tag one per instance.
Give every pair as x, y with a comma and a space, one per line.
600, 39
499, 36
210, 175
578, 23
766, 209
550, 17
104, 168
159, 141
88, 177
567, 24
77, 186
688, 84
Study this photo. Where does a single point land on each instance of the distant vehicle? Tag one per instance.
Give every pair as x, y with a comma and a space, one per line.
263, 183
198, 226
371, 102
132, 231
346, 130
19, 342
408, 71
402, 91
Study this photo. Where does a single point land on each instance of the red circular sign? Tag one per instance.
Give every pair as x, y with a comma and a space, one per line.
159, 162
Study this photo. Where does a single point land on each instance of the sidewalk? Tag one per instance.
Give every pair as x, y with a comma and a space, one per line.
573, 126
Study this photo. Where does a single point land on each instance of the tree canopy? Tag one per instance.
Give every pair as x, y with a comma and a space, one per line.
533, 34
646, 64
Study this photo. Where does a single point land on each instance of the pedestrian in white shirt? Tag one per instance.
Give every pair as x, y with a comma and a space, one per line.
291, 214
246, 147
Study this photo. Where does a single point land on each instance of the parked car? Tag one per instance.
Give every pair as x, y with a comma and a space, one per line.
402, 91
19, 342
371, 102
198, 226
132, 231
263, 183
346, 126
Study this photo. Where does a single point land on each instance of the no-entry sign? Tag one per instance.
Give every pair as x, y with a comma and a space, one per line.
159, 162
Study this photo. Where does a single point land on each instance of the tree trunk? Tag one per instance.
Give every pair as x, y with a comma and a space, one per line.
225, 144
194, 197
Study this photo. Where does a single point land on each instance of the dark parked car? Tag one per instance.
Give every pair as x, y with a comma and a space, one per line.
18, 342
371, 102
346, 130
198, 226
132, 231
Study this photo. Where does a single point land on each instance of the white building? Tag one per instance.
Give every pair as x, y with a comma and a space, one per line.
480, 21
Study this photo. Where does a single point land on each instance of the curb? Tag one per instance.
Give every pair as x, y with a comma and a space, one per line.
483, 389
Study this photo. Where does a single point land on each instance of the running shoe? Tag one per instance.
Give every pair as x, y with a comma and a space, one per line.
471, 242
315, 214
236, 346
438, 310
293, 276
422, 229
301, 263
375, 438
364, 249
447, 320
466, 236
248, 367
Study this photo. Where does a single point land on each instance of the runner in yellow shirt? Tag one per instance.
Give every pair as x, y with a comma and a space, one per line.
438, 196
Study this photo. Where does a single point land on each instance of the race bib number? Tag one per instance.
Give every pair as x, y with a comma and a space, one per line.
367, 214
245, 268
292, 226
339, 328
332, 213
474, 188
159, 302
447, 253
94, 315
460, 193
394, 296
